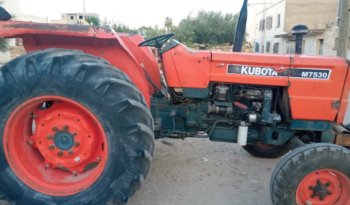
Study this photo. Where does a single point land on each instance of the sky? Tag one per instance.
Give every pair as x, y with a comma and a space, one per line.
134, 13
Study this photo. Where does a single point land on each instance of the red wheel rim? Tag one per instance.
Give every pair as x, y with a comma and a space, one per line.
55, 145
324, 187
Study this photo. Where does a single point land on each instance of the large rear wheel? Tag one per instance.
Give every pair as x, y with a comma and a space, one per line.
74, 130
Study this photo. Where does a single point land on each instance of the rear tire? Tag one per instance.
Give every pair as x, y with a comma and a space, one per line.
104, 91
267, 151
312, 174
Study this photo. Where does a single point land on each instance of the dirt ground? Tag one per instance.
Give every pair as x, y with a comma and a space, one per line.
200, 172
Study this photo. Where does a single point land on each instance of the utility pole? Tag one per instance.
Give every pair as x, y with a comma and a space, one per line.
84, 6
343, 39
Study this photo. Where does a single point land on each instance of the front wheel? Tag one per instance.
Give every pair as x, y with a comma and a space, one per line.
74, 130
317, 174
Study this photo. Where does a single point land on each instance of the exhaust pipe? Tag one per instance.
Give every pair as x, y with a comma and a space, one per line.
241, 26
4, 15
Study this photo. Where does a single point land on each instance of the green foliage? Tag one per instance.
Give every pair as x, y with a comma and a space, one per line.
210, 28
207, 27
93, 21
3, 44
150, 32
168, 24
123, 28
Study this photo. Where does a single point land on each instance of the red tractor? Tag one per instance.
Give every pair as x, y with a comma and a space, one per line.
80, 111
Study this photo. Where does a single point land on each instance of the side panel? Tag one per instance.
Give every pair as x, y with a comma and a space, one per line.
187, 68
315, 84
316, 96
250, 68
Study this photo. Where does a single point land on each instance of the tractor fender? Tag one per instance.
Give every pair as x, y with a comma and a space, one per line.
121, 50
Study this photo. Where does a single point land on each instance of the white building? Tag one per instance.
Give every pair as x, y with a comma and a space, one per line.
75, 18
276, 20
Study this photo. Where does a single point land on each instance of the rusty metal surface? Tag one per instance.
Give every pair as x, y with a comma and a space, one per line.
343, 140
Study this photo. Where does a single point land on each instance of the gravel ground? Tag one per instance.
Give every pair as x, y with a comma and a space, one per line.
199, 172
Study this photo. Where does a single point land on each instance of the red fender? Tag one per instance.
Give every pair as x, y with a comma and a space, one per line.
121, 50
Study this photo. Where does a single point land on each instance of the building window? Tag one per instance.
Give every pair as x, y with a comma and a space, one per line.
320, 43
290, 47
269, 23
262, 25
71, 17
81, 17
257, 47
278, 21
268, 47
276, 47
336, 44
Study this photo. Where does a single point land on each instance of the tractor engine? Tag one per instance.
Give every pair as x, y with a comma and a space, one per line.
222, 112
250, 104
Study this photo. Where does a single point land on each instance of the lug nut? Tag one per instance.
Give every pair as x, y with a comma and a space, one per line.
76, 144
70, 152
49, 137
60, 153
65, 128
51, 147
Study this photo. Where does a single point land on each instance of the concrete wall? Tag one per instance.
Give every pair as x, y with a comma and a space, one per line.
315, 14
268, 35
76, 18
319, 15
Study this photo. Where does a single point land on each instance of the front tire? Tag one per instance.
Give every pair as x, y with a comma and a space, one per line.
316, 174
74, 130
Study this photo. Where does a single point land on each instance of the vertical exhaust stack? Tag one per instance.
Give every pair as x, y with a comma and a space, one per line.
241, 26
4, 15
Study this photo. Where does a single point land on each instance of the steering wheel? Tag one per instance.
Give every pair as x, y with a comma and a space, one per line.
157, 42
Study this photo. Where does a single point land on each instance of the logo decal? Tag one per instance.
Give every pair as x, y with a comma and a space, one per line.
307, 73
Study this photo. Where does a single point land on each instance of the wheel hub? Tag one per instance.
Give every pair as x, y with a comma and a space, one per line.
322, 187
63, 140
320, 190
63, 144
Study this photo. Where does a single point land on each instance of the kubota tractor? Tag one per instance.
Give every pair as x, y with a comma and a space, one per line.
79, 113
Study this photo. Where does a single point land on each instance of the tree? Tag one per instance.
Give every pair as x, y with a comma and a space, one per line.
123, 28
93, 21
150, 32
211, 28
168, 24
